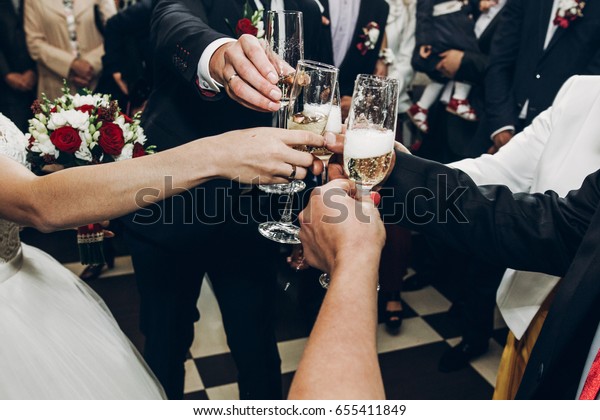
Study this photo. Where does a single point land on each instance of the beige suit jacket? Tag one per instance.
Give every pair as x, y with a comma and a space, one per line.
48, 39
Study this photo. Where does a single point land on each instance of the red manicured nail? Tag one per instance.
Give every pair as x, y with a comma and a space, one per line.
375, 197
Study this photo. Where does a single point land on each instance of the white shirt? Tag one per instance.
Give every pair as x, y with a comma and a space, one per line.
549, 34
484, 20
343, 17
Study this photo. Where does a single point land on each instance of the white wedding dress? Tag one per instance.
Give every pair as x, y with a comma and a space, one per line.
58, 340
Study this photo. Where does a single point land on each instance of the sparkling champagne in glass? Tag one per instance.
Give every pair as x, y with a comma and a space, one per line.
285, 47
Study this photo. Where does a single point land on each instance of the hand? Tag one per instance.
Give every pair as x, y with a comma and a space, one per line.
345, 104
82, 69
425, 51
30, 79
332, 223
500, 140
485, 5
265, 155
381, 69
255, 85
118, 78
450, 63
16, 81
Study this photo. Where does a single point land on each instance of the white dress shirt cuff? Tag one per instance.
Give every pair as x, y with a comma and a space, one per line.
204, 78
505, 128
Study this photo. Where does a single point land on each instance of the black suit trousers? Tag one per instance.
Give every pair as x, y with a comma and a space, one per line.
240, 265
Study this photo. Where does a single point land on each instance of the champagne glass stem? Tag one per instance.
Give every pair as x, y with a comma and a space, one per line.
287, 211
281, 116
325, 173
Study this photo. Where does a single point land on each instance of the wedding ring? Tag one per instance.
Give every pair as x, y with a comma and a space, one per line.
293, 174
231, 77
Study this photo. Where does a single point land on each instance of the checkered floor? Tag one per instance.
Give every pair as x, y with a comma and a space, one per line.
408, 360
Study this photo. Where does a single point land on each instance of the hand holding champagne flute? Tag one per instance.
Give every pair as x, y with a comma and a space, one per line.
369, 142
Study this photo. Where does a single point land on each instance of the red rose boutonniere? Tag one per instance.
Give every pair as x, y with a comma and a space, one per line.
369, 38
251, 23
568, 11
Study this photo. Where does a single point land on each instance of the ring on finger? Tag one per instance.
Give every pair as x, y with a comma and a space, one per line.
293, 174
234, 75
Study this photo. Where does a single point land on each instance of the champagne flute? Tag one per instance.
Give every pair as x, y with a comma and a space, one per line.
308, 110
369, 143
285, 47
334, 125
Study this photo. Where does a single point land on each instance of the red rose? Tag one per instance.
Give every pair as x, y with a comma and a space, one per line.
245, 26
86, 108
111, 138
126, 118
138, 150
66, 139
53, 109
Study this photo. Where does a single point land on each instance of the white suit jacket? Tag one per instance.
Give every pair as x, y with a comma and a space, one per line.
556, 152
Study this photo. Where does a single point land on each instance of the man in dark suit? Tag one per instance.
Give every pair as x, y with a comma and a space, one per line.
532, 56
213, 229
344, 25
17, 69
533, 232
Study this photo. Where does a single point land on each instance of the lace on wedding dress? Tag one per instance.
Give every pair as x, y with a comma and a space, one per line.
12, 145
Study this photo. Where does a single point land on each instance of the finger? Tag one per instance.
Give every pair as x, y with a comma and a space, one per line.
301, 138
257, 55
286, 170
335, 142
317, 167
249, 97
342, 184
300, 159
108, 234
444, 54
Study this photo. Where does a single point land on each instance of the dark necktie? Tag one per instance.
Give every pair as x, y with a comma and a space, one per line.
592, 382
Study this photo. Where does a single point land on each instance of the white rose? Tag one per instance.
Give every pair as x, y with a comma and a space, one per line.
126, 153
374, 35
57, 120
261, 29
77, 119
80, 100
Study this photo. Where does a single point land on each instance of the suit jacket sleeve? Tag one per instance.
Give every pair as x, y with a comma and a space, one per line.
472, 67
516, 163
4, 67
499, 98
531, 232
56, 59
179, 34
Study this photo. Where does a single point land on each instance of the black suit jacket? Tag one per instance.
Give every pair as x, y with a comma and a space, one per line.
532, 232
520, 69
177, 112
355, 63
14, 56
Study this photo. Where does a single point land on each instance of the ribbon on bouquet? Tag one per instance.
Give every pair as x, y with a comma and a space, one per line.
90, 240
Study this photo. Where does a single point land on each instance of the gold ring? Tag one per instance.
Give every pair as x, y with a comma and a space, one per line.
293, 174
231, 77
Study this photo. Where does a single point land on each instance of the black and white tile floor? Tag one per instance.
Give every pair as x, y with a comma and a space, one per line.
408, 360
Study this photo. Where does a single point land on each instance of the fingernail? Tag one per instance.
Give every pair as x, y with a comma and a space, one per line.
375, 197
272, 77
275, 94
329, 139
273, 106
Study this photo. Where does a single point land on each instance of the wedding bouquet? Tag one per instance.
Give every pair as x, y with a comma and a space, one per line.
77, 130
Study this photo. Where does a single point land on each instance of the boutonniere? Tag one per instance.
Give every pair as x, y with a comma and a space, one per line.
251, 23
568, 11
369, 38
